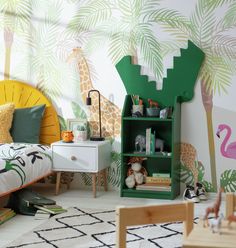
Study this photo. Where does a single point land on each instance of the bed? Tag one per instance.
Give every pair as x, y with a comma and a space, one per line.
22, 164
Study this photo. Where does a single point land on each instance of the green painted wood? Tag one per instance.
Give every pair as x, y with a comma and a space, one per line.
178, 87
180, 80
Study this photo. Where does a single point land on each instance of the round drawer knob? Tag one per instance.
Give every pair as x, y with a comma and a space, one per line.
73, 158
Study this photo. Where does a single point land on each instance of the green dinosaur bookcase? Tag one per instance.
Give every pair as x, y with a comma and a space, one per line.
180, 80
178, 87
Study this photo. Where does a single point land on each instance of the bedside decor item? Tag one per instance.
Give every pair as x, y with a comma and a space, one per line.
6, 116
89, 102
79, 128
67, 136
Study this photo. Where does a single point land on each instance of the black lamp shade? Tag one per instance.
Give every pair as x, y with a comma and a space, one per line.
88, 101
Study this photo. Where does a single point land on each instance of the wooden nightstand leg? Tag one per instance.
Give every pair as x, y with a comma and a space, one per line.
99, 179
104, 175
94, 175
58, 182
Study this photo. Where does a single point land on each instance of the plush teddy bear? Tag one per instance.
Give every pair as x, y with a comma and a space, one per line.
136, 172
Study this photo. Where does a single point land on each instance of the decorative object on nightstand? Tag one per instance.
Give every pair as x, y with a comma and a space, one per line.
67, 136
79, 128
88, 156
89, 102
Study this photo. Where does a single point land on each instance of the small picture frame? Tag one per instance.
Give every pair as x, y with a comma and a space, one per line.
77, 124
79, 128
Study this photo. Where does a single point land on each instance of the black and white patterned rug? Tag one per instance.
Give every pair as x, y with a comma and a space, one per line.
89, 228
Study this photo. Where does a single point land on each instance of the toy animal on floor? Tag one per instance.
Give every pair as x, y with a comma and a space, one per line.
231, 218
152, 104
140, 142
215, 224
213, 209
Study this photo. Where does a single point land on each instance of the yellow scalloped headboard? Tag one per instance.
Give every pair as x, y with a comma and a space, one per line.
24, 95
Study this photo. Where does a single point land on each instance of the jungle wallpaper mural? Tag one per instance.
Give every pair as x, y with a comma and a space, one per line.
67, 47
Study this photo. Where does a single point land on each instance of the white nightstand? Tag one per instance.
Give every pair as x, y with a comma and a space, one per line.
85, 156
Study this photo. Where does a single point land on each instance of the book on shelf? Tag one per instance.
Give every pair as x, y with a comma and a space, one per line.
158, 180
161, 175
153, 142
154, 187
6, 214
148, 141
47, 209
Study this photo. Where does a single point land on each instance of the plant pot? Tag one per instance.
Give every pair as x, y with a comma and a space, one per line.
137, 110
154, 112
81, 135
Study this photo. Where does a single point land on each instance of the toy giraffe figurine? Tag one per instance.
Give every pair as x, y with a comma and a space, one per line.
188, 155
110, 113
213, 209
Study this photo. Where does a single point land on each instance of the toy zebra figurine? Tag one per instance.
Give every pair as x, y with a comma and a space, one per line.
215, 224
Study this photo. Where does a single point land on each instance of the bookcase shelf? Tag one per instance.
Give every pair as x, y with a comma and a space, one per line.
159, 162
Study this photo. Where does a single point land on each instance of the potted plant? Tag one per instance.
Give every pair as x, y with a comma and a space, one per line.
153, 109
81, 133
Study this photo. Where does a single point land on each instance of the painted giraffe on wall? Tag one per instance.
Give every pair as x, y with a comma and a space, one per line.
110, 113
188, 155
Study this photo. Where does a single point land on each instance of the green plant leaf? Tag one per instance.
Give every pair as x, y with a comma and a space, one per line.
114, 171
78, 111
186, 176
62, 123
228, 180
208, 186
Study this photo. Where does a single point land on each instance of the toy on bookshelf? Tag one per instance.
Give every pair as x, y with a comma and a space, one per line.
136, 173
153, 110
143, 143
137, 107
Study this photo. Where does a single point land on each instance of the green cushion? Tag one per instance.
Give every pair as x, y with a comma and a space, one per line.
26, 124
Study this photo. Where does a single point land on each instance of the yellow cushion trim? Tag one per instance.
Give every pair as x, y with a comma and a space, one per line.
6, 115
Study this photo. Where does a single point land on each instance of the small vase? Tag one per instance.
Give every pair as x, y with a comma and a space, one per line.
81, 135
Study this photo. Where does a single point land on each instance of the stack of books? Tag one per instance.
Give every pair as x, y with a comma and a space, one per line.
6, 214
158, 182
51, 209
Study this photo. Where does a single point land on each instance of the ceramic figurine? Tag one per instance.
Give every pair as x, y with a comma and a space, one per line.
140, 142
213, 209
215, 224
231, 218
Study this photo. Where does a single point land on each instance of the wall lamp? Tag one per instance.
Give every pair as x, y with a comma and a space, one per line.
89, 102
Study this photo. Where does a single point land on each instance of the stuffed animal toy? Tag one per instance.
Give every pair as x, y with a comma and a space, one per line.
136, 172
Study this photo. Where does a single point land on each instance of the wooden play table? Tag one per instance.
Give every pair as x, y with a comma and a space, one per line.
204, 238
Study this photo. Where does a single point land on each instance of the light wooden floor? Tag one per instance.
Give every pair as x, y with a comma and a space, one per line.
21, 224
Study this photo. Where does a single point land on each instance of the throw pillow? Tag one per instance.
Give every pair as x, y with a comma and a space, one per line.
6, 115
26, 124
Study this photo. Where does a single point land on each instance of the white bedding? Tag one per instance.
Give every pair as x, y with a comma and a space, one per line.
22, 163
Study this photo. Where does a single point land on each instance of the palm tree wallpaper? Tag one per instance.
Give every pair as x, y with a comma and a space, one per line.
66, 47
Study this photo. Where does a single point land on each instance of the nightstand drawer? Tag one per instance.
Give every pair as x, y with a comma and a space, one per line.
74, 158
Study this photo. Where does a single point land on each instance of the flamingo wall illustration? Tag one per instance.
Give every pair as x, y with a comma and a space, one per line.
227, 150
